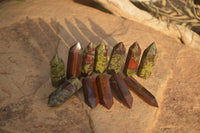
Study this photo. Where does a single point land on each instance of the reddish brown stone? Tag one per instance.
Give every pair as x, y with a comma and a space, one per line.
90, 91
105, 94
141, 91
74, 61
121, 89
132, 60
88, 60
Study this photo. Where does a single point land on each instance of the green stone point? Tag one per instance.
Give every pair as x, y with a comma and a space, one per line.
147, 62
117, 58
57, 71
101, 58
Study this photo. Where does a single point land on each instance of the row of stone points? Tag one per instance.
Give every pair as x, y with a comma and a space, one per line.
99, 89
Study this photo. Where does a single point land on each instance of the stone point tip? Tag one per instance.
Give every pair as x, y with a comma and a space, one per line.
153, 43
78, 45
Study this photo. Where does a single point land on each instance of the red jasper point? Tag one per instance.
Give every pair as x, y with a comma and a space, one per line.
121, 89
141, 91
74, 61
90, 91
104, 90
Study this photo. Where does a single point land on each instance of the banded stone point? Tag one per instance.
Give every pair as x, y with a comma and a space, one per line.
141, 91
147, 62
132, 60
57, 71
101, 58
104, 90
117, 57
74, 64
121, 89
88, 60
64, 92
90, 91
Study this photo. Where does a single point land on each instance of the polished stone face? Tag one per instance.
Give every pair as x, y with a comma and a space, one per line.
141, 91
74, 61
147, 62
57, 71
121, 89
132, 60
65, 91
90, 91
88, 60
101, 58
116, 59
104, 90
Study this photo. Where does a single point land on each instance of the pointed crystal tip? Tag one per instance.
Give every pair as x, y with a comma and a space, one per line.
153, 44
78, 45
121, 43
154, 103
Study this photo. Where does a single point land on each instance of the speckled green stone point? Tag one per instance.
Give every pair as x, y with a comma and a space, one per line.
116, 59
101, 52
57, 71
66, 90
147, 62
88, 60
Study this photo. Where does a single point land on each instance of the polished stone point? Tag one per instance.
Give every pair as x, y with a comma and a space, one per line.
147, 62
117, 57
90, 91
121, 89
57, 71
65, 91
141, 91
104, 90
101, 58
88, 60
74, 64
132, 60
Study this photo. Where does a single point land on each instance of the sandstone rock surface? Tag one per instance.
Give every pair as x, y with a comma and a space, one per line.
32, 32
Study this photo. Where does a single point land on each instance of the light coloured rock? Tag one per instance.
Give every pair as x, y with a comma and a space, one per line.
126, 9
28, 43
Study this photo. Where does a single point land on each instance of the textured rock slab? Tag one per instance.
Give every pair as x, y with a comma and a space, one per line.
74, 63
90, 91
88, 60
116, 59
27, 44
121, 89
132, 60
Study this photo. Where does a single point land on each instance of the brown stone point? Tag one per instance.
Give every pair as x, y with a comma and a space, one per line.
121, 89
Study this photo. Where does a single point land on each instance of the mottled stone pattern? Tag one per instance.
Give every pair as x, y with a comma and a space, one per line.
121, 89
104, 90
141, 91
116, 59
74, 61
66, 90
57, 71
88, 60
132, 60
147, 62
90, 91
101, 58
